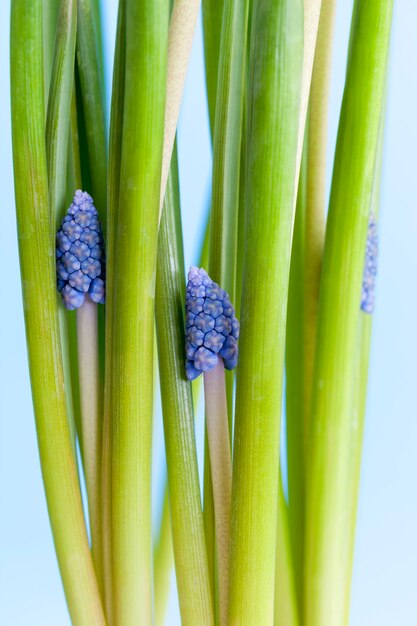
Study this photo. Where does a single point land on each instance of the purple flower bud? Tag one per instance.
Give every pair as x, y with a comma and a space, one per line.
205, 360
80, 254
204, 322
211, 326
213, 307
370, 267
223, 325
80, 250
62, 242
97, 290
79, 281
72, 298
214, 341
90, 237
191, 372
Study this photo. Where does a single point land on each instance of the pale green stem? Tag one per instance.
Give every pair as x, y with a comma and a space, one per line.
212, 25
316, 196
73, 182
330, 510
361, 368
59, 109
56, 138
226, 166
273, 112
135, 252
221, 476
89, 68
41, 317
226, 146
163, 564
96, 11
286, 611
49, 18
116, 127
294, 368
91, 415
304, 288
194, 592
312, 10
180, 40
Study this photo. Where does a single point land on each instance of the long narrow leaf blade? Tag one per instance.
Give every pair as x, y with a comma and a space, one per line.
191, 564
135, 251
329, 506
41, 316
275, 83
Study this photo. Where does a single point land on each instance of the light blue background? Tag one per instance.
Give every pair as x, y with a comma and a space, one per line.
385, 579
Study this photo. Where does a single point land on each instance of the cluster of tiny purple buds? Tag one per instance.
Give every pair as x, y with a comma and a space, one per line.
80, 259
212, 329
371, 266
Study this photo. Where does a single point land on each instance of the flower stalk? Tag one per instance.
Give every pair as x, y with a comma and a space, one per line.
330, 513
221, 476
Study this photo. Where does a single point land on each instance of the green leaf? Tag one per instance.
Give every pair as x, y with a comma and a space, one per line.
92, 92
286, 611
212, 23
37, 263
191, 564
329, 501
295, 375
135, 249
59, 108
116, 133
273, 120
49, 18
226, 147
163, 563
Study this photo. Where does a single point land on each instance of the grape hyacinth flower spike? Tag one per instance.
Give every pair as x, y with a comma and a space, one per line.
212, 329
370, 269
80, 259
80, 265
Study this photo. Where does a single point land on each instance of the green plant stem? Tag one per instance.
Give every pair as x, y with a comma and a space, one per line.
226, 155
304, 283
41, 316
294, 364
191, 566
97, 20
226, 146
208, 504
221, 476
115, 151
89, 65
330, 513
312, 10
56, 138
274, 92
59, 109
180, 40
73, 182
135, 248
49, 20
316, 196
91, 414
361, 369
163, 562
286, 612
212, 22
